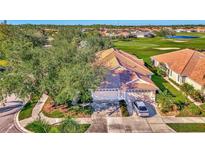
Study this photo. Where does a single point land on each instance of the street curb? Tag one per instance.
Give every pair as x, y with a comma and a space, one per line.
18, 125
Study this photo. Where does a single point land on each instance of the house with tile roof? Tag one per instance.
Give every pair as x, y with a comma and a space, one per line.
184, 66
127, 78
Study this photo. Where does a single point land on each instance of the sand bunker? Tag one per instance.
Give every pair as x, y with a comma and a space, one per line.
179, 41
167, 48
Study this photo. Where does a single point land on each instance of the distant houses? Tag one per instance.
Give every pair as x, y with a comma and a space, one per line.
126, 33
189, 30
184, 66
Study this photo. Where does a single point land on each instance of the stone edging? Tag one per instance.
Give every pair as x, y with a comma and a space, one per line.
18, 125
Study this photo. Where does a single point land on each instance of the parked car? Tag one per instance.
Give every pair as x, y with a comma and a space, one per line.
141, 109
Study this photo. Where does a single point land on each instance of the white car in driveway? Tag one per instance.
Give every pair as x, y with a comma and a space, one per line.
141, 109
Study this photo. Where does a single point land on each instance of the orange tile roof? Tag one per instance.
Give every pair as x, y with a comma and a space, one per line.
112, 58
185, 62
130, 71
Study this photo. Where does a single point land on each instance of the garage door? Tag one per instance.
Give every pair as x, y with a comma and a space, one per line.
105, 95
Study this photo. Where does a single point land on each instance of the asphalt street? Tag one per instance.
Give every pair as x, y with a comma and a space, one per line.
7, 115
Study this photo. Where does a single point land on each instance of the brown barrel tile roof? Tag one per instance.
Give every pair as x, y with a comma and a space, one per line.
126, 70
185, 62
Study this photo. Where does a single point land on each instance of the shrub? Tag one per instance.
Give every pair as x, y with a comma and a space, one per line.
191, 110
194, 94
54, 130
79, 109
165, 31
39, 126
195, 110
71, 126
67, 126
123, 108
161, 72
165, 102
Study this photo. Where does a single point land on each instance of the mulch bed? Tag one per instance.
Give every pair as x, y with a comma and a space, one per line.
50, 107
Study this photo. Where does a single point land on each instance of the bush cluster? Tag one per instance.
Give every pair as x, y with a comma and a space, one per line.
194, 94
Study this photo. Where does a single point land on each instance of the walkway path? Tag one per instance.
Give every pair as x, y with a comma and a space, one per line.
36, 111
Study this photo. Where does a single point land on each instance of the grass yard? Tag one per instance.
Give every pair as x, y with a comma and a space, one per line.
26, 111
187, 127
146, 47
164, 85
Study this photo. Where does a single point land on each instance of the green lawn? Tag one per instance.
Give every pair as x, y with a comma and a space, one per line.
146, 47
26, 111
190, 110
187, 127
164, 85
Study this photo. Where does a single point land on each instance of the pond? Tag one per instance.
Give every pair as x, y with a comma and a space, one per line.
181, 37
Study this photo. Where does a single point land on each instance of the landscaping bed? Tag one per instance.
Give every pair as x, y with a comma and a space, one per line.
187, 127
202, 107
191, 110
67, 126
169, 100
66, 110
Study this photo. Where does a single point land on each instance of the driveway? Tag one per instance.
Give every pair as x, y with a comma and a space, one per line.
135, 124
7, 115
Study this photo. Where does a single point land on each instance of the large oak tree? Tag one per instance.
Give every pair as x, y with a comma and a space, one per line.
64, 71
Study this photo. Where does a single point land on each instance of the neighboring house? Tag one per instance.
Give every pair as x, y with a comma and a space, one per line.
139, 34
127, 78
184, 66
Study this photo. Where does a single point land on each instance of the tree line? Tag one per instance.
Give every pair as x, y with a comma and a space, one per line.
64, 71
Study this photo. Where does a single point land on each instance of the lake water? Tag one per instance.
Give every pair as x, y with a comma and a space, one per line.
181, 37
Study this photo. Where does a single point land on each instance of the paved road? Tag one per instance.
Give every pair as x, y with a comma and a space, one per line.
7, 117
